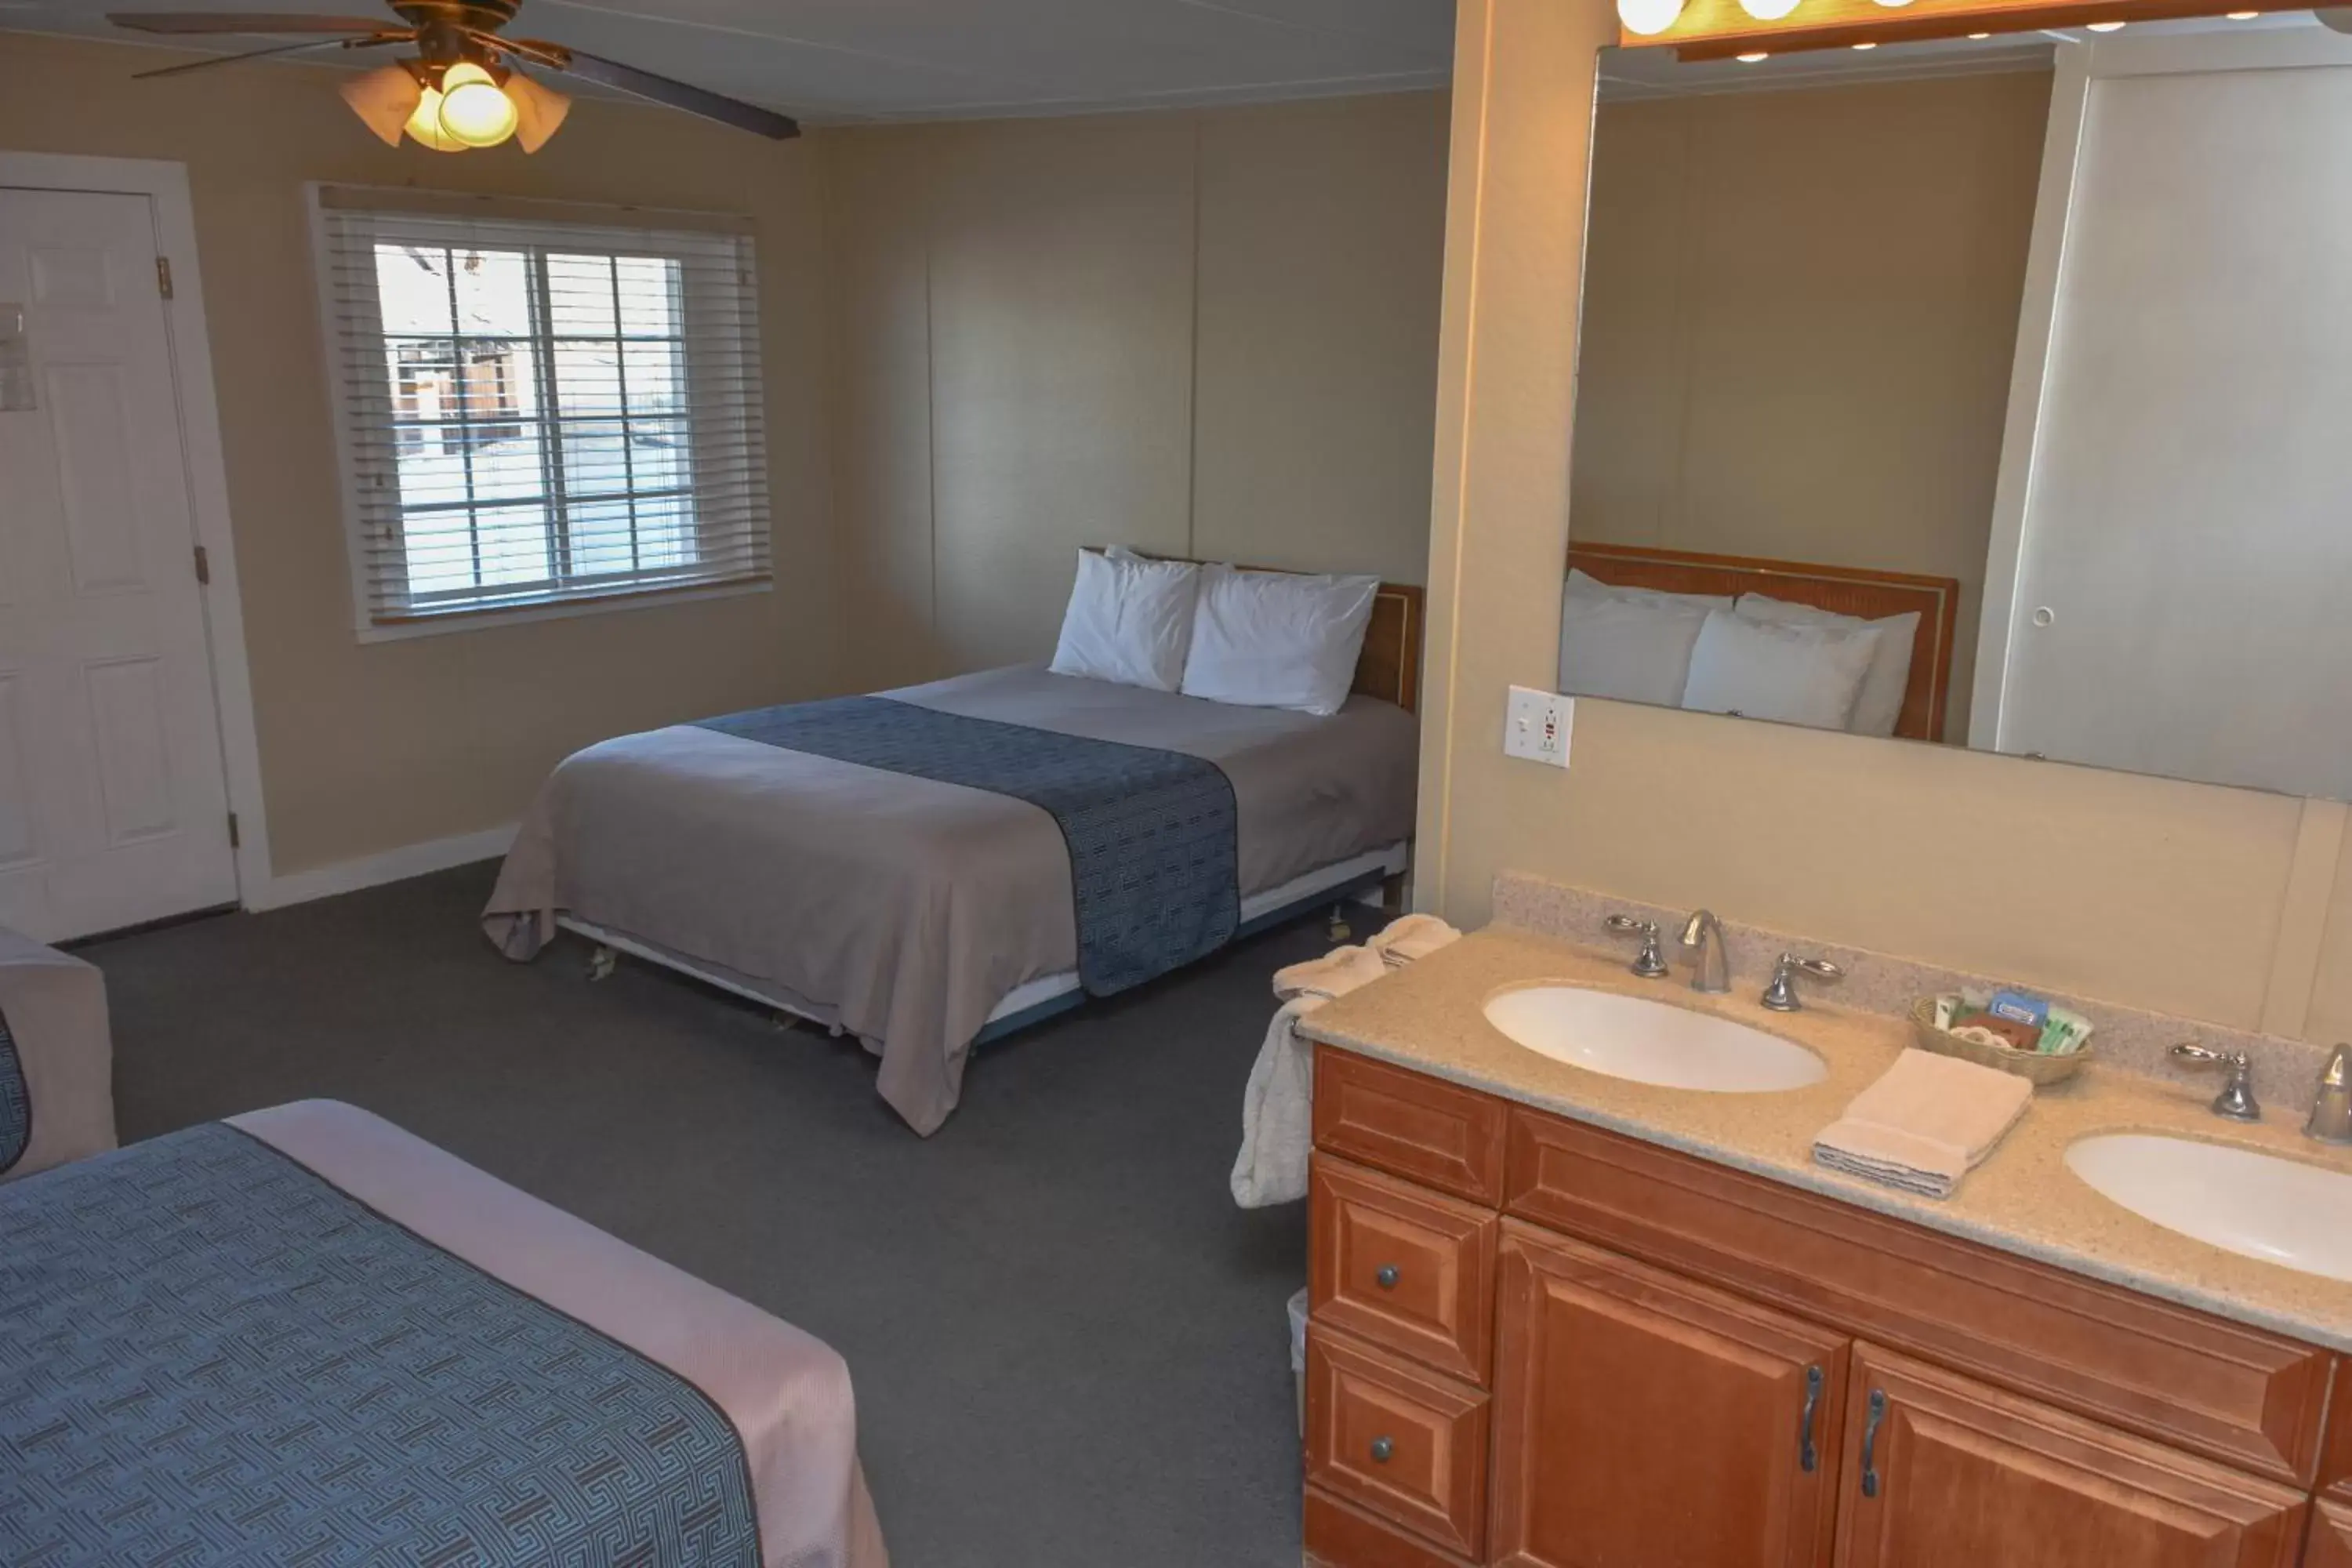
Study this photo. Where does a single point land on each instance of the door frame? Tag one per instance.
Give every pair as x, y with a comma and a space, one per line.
165, 184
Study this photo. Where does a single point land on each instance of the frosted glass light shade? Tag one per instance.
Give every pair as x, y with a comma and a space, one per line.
474, 113
424, 125
1767, 10
539, 111
384, 99
1648, 17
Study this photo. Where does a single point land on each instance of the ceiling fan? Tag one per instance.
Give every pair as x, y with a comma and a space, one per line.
464, 87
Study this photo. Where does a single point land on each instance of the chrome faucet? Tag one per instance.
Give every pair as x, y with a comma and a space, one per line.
1710, 963
2331, 1109
2236, 1099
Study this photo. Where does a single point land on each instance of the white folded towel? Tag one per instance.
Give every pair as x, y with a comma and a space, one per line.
1926, 1124
1278, 1106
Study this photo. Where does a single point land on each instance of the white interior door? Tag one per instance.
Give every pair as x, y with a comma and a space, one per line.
113, 807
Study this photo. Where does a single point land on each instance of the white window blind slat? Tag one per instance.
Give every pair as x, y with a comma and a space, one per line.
540, 413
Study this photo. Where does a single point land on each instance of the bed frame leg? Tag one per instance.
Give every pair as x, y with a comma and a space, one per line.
602, 963
1340, 929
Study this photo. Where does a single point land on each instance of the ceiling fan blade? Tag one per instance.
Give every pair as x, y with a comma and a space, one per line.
676, 94
263, 54
240, 22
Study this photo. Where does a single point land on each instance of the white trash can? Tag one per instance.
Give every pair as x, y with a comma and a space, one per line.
1298, 1354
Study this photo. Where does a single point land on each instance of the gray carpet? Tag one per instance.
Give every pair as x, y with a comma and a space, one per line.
1068, 1345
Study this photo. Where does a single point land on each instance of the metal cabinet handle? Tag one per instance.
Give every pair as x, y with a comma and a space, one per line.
1382, 1450
1807, 1458
1869, 1442
1387, 1276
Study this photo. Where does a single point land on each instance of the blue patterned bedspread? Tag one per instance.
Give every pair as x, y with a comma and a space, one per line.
15, 1102
209, 1355
1154, 869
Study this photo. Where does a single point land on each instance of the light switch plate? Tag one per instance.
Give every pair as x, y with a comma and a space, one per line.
1537, 726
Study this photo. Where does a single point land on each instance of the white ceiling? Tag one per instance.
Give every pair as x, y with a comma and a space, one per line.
851, 60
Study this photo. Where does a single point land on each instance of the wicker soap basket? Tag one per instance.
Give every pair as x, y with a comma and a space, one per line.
2040, 1069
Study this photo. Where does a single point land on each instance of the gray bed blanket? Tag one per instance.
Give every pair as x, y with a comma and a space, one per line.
1150, 832
906, 908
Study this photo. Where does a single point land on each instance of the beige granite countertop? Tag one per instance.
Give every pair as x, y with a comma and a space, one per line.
2023, 1199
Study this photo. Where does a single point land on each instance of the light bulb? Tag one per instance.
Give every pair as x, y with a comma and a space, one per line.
2241, 16
2106, 26
1648, 17
1980, 36
1767, 10
1865, 46
473, 111
1891, 5
1750, 60
424, 125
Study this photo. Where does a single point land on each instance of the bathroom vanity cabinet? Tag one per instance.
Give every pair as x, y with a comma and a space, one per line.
1535, 1342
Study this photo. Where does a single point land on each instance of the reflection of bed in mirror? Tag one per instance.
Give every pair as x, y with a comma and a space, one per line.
1756, 588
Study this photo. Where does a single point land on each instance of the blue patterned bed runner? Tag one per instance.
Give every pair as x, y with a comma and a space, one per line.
15, 1102
208, 1354
1154, 868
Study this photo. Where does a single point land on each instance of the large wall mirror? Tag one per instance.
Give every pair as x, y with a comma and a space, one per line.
1991, 393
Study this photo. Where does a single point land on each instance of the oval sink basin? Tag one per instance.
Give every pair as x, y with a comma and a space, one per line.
1652, 1042
2281, 1211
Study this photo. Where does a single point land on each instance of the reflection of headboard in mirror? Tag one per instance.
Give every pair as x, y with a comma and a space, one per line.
1846, 590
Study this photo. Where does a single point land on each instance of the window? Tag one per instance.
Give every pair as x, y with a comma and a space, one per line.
536, 412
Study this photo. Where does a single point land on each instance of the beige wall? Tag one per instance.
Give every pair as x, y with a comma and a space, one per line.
1798, 323
2221, 904
1211, 333
365, 749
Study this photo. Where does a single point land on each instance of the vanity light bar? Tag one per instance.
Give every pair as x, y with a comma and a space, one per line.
1729, 29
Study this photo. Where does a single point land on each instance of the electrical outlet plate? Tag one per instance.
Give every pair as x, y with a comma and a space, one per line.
1537, 726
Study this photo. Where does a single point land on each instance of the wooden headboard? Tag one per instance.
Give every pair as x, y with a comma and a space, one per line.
1389, 666
1847, 590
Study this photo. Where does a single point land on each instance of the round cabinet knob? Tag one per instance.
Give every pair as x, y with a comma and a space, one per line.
1382, 1450
1387, 1276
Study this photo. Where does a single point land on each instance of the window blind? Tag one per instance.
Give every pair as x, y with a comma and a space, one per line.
540, 411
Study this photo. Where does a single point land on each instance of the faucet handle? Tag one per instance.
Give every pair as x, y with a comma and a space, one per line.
2236, 1099
2331, 1109
1649, 964
1780, 995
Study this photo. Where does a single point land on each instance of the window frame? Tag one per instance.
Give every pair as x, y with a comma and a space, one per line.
623, 232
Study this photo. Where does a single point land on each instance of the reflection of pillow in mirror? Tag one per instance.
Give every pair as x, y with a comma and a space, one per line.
1795, 673
1585, 584
1636, 651
1880, 706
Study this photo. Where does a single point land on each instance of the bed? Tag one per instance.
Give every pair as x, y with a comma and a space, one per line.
1862, 593
922, 914
302, 1336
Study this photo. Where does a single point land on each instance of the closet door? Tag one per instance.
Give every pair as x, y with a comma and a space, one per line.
1639, 1418
1940, 1472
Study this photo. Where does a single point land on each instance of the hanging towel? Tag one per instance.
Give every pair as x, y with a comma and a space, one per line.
1277, 1108
1926, 1124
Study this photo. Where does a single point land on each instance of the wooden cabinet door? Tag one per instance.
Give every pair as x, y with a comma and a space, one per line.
2331, 1535
1942, 1472
1642, 1421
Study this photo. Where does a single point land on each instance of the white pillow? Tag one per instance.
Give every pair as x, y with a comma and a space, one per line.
1632, 649
1583, 583
1879, 706
1278, 639
1796, 674
1128, 620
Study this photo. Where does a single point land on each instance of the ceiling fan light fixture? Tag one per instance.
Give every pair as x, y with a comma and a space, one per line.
474, 110
384, 99
539, 111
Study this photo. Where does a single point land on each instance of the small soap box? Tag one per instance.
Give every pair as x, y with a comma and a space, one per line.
2014, 1032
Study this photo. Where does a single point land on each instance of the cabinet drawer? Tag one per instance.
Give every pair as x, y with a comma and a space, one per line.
1397, 1441
1338, 1536
1942, 1472
1411, 1125
2231, 1393
1402, 1267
